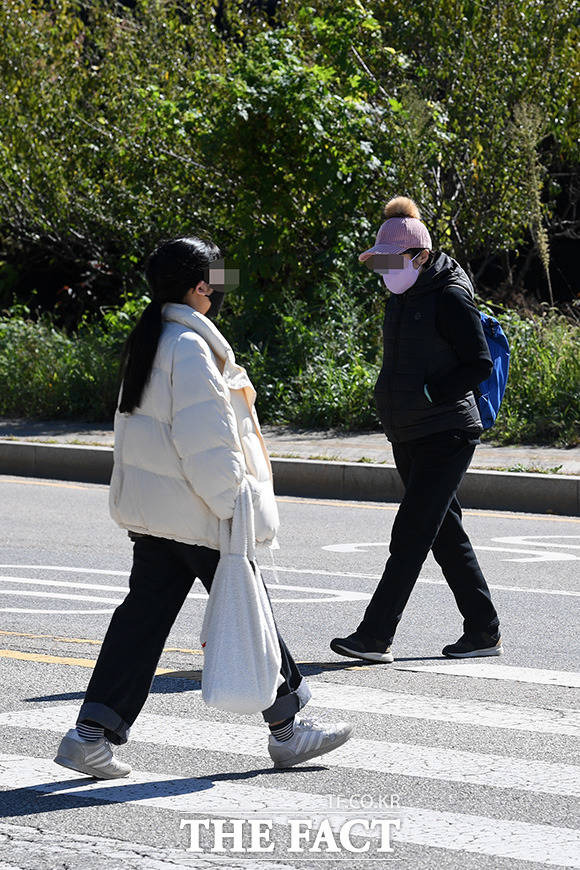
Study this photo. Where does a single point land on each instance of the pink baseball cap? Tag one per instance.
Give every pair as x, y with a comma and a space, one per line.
397, 234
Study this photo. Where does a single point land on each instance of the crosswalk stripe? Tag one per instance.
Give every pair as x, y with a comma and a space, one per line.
555, 846
363, 699
67, 848
378, 756
191, 794
487, 671
498, 837
488, 714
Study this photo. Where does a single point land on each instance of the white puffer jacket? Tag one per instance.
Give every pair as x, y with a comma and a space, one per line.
181, 455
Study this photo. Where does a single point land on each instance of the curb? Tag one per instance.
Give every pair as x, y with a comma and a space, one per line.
490, 490
307, 478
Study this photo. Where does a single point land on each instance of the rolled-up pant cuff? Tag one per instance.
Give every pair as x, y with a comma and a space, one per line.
288, 705
116, 729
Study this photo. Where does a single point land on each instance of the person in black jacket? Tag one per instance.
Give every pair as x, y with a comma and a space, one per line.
435, 355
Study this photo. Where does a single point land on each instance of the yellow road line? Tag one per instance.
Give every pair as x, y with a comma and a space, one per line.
167, 672
58, 660
52, 637
39, 657
339, 666
195, 652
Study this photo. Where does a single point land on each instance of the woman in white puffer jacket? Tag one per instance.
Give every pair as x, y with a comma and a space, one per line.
186, 437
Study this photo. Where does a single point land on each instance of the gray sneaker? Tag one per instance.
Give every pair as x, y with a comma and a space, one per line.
93, 757
310, 738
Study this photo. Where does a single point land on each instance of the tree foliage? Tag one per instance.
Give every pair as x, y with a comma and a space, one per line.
280, 130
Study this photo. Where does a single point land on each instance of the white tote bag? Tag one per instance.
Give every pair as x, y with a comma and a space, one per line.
242, 659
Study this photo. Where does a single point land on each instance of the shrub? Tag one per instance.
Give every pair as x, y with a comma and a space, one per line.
46, 373
542, 399
317, 369
321, 367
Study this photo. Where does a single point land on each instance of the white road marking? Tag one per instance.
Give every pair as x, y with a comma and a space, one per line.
337, 594
37, 593
378, 756
542, 541
486, 714
354, 548
316, 594
63, 849
377, 577
530, 590
326, 594
64, 584
53, 611
530, 554
502, 838
487, 671
547, 844
69, 568
187, 794
483, 714
61, 584
319, 572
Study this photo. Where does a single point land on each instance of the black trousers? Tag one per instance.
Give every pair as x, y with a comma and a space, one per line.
429, 518
161, 578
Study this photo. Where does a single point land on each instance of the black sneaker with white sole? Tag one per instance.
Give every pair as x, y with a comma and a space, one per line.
358, 646
473, 645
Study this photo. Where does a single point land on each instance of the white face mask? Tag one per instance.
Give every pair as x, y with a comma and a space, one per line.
399, 280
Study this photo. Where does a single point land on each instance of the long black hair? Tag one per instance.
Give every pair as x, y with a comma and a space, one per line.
172, 268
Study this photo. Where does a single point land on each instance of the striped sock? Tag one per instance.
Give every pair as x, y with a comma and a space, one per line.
90, 730
284, 730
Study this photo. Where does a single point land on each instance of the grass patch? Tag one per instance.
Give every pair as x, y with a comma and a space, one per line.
317, 370
530, 469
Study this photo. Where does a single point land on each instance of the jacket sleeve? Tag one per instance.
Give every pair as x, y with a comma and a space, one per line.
203, 426
459, 323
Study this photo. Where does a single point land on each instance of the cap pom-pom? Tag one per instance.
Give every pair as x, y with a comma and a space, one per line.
402, 206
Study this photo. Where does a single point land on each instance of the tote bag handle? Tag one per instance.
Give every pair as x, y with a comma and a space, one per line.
238, 535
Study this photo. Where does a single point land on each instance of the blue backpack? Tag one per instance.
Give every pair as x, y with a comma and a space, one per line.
490, 392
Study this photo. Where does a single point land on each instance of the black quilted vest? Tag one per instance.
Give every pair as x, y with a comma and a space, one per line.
415, 352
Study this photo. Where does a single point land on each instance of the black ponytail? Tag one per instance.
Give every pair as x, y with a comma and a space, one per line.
138, 355
172, 268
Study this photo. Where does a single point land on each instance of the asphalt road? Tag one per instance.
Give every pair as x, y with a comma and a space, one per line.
475, 764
